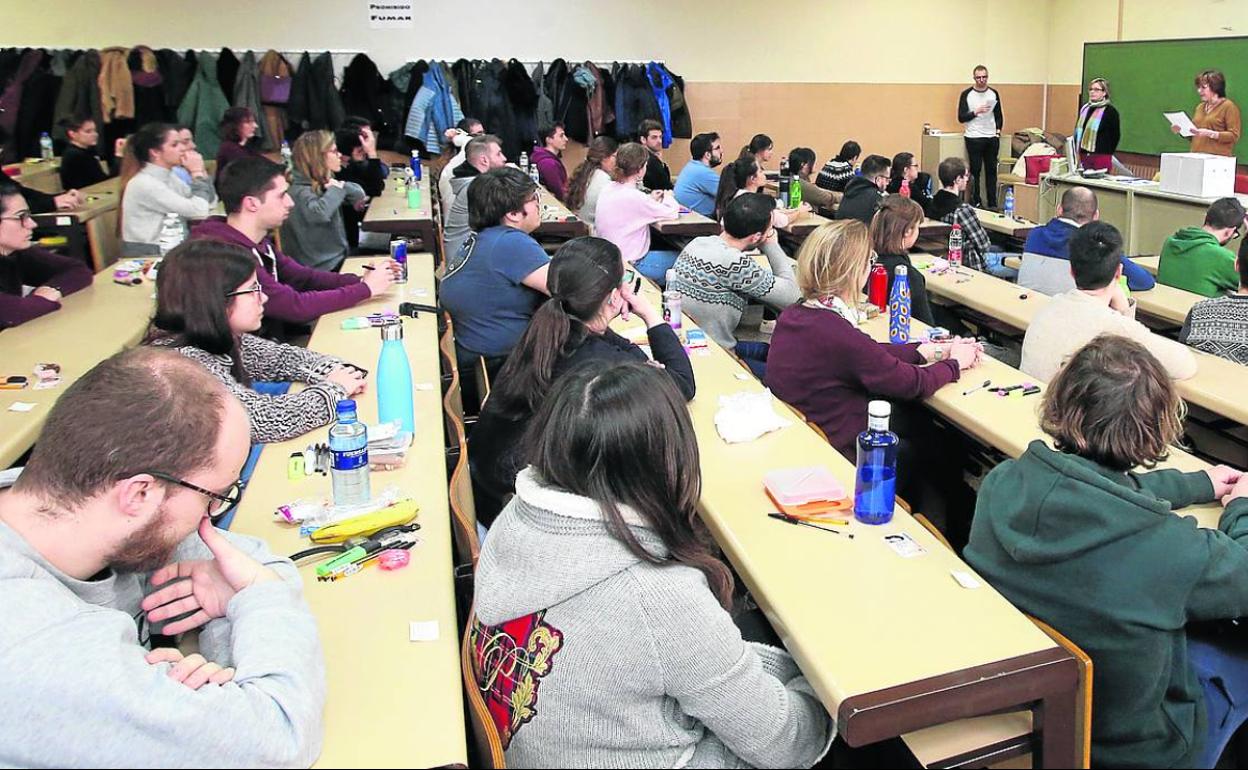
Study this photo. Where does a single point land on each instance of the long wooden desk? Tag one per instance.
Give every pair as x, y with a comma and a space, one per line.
37, 174
1216, 386
91, 229
804, 225
1151, 264
690, 224
92, 324
389, 213
999, 223
557, 220
934, 229
392, 702
851, 611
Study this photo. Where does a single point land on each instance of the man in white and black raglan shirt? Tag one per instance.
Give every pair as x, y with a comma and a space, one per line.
979, 108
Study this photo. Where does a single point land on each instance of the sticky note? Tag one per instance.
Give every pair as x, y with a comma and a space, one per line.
965, 579
422, 631
21, 406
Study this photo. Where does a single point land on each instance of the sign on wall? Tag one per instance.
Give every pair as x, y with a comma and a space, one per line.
390, 14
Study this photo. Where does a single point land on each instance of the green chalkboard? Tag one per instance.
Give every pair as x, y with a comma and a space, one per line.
1149, 77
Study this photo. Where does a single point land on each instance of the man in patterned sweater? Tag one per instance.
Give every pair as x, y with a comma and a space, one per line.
1220, 325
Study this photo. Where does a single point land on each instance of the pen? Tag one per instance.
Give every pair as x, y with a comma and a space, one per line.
794, 520
977, 387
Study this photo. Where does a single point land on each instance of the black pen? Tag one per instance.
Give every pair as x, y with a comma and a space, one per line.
794, 520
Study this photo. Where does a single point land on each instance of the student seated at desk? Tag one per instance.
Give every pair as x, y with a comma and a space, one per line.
592, 177
150, 191
864, 193
499, 279
209, 303
906, 169
1077, 538
658, 175
823, 364
136, 460
1046, 257
624, 214
837, 172
978, 253
743, 176
254, 193
602, 563
760, 149
1220, 325
801, 166
894, 231
315, 234
238, 139
459, 137
547, 155
697, 183
589, 288
1196, 259
357, 143
716, 278
481, 154
22, 265
80, 166
1097, 305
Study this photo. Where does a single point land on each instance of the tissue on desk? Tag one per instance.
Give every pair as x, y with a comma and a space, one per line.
745, 416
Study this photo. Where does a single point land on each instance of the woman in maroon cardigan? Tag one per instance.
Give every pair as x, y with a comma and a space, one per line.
821, 363
238, 139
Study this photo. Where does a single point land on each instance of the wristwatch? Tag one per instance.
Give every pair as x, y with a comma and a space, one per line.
939, 355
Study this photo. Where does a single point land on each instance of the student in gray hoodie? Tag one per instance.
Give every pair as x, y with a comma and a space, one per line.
602, 637
481, 154
106, 539
315, 234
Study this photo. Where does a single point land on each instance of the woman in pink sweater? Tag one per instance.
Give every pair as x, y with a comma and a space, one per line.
624, 214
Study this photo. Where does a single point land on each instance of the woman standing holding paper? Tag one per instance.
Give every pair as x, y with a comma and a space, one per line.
1098, 129
1216, 118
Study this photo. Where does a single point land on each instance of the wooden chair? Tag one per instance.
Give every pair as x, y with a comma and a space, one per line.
990, 740
486, 743
463, 507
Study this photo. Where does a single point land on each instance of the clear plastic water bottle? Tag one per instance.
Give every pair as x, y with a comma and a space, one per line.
394, 380
415, 165
671, 301
875, 481
287, 156
524, 162
172, 233
784, 184
534, 174
348, 443
45, 146
1009, 202
955, 246
899, 307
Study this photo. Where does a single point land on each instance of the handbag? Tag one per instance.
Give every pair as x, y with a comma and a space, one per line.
274, 89
1037, 165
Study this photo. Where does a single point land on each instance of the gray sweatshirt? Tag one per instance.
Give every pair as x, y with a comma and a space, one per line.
715, 281
314, 234
75, 690
456, 228
152, 194
592, 657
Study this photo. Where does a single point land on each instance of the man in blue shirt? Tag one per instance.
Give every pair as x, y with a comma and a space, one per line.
499, 277
1046, 256
697, 183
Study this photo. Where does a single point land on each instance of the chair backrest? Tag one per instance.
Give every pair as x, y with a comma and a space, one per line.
485, 738
1047, 275
463, 507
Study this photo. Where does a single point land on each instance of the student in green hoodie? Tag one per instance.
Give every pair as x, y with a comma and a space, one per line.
1076, 538
1196, 258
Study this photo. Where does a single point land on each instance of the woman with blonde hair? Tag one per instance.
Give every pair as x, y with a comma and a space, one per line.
591, 178
1098, 128
314, 233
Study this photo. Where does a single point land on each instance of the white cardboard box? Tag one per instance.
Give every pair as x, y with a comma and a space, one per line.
1198, 173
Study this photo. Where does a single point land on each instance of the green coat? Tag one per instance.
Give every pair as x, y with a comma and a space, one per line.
203, 106
1099, 556
1192, 259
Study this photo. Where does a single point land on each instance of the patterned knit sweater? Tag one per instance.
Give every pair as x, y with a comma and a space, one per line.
1219, 326
281, 417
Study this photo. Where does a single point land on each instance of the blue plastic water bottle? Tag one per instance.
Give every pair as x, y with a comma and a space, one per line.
875, 482
394, 380
416, 171
899, 307
348, 443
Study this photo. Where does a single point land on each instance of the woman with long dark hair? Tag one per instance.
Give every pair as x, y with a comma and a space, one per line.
602, 575
589, 288
591, 178
238, 138
906, 169
760, 149
744, 175
150, 191
837, 172
208, 304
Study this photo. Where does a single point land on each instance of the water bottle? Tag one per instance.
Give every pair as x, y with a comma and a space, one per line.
394, 380
172, 233
1126, 290
45, 146
348, 443
899, 307
795, 192
875, 481
415, 165
287, 157
413, 192
535, 175
783, 184
955, 246
1009, 202
671, 301
858, 170
905, 188
877, 287
524, 162
398, 252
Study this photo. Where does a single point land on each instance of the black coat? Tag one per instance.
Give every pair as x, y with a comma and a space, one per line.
37, 111
227, 73
861, 200
366, 93
522, 98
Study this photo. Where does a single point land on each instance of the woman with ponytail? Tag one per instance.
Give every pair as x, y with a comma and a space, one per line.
150, 191
589, 288
591, 178
745, 175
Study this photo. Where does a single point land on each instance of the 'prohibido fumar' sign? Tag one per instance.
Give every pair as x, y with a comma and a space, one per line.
393, 14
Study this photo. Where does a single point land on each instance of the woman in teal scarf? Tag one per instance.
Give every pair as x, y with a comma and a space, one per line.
1097, 130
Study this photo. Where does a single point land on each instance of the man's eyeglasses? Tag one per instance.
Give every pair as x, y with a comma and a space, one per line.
253, 289
221, 503
20, 216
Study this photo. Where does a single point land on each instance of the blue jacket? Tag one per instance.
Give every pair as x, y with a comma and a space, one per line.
1053, 240
433, 111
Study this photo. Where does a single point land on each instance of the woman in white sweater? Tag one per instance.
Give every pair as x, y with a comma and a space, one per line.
151, 191
591, 178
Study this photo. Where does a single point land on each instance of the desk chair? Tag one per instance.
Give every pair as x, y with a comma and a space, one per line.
486, 743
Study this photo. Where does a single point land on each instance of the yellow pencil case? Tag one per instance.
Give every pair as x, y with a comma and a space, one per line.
359, 526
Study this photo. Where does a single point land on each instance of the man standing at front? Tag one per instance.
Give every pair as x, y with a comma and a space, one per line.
979, 109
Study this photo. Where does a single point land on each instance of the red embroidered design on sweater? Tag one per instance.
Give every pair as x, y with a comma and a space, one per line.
510, 660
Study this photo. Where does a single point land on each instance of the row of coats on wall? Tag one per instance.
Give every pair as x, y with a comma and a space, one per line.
123, 88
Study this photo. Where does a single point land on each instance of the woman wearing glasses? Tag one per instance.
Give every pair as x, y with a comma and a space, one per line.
589, 288
315, 234
208, 305
1098, 129
22, 264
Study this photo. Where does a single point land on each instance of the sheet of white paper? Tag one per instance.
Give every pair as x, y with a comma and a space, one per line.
423, 630
1180, 119
20, 406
